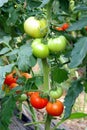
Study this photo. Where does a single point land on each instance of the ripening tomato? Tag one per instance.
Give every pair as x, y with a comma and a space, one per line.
59, 28
37, 101
55, 108
13, 85
29, 93
36, 28
57, 44
40, 51
10, 78
26, 75
65, 26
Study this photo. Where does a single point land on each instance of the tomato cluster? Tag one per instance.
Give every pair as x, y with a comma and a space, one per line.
10, 83
53, 108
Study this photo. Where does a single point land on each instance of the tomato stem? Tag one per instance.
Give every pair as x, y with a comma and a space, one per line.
48, 122
45, 75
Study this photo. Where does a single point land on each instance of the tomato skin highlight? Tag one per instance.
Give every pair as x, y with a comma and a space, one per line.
38, 102
36, 28
10, 79
40, 51
55, 108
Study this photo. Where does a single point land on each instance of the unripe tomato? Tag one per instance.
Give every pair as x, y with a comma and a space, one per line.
57, 44
55, 108
37, 101
40, 51
36, 28
23, 97
55, 94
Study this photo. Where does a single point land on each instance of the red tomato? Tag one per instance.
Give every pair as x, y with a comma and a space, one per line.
13, 85
38, 102
55, 108
29, 94
10, 78
26, 75
65, 26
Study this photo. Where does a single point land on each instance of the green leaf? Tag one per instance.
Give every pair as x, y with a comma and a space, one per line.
77, 115
59, 75
64, 5
24, 55
5, 40
44, 2
3, 70
2, 2
79, 52
4, 50
78, 25
8, 105
75, 89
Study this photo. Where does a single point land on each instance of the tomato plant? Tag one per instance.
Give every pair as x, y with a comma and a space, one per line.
55, 108
37, 101
44, 41
23, 97
35, 28
56, 93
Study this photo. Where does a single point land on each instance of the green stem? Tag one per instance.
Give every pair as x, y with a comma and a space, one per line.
48, 122
45, 74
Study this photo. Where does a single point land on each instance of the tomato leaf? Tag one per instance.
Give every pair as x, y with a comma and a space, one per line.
8, 105
64, 5
3, 70
24, 57
78, 25
2, 2
79, 52
59, 75
75, 89
4, 50
77, 115
44, 2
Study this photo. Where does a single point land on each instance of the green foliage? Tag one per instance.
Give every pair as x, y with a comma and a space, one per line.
59, 75
77, 115
8, 105
75, 89
79, 52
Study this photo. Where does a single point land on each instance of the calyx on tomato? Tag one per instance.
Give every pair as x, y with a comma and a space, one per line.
57, 44
55, 108
36, 28
37, 101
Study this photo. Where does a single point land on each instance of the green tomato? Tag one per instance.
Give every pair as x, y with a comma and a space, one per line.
57, 44
35, 28
23, 97
35, 42
40, 51
55, 94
